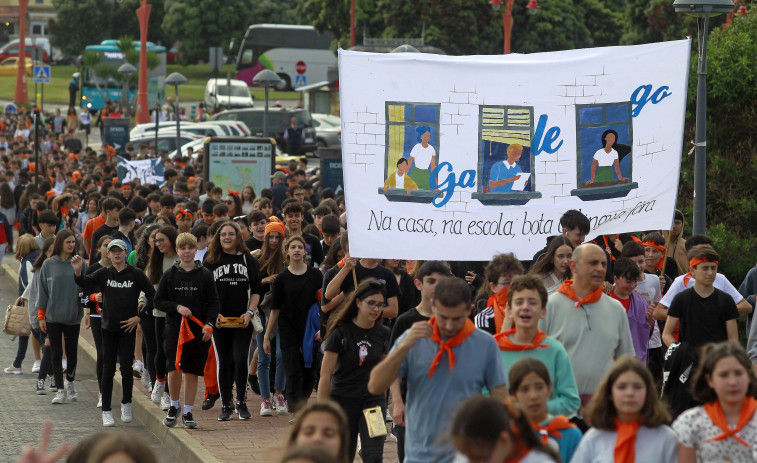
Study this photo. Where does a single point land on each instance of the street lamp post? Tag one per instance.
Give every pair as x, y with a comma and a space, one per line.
175, 79
702, 9
126, 70
266, 78
507, 17
143, 105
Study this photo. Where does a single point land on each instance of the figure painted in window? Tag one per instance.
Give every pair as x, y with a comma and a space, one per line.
608, 158
400, 178
422, 158
504, 173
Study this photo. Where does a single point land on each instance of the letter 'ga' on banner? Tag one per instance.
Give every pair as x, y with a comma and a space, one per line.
464, 157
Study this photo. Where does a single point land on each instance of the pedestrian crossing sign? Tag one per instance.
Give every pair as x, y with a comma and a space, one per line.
42, 74
300, 80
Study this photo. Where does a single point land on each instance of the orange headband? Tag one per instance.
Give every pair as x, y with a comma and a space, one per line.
232, 193
274, 227
652, 244
183, 213
698, 260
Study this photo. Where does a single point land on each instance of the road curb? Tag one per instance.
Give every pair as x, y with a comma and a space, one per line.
178, 441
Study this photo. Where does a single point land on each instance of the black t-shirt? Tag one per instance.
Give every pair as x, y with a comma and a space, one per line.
409, 296
703, 318
380, 273
359, 351
403, 323
253, 244
293, 295
104, 230
314, 250
234, 275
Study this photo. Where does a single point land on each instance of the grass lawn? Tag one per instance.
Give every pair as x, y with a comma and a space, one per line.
197, 75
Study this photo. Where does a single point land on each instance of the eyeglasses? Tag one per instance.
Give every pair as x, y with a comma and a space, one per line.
159, 240
375, 305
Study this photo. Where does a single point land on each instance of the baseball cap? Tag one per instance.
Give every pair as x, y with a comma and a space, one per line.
117, 243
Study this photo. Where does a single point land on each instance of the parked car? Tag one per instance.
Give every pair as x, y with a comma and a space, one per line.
227, 93
232, 128
9, 66
278, 121
328, 130
11, 50
166, 139
149, 127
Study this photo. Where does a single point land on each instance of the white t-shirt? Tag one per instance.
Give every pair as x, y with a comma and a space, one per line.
85, 117
721, 283
658, 445
695, 429
399, 180
422, 155
604, 158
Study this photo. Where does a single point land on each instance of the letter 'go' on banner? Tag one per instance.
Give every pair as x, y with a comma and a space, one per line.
464, 157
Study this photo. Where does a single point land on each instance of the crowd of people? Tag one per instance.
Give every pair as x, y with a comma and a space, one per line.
625, 348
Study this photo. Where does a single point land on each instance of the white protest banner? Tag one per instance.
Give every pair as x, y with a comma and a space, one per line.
146, 170
464, 157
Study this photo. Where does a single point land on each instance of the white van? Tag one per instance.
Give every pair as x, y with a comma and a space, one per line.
229, 93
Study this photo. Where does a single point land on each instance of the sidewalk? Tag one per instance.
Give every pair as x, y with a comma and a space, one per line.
261, 439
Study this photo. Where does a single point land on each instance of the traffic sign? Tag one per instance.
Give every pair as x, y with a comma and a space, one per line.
299, 81
42, 74
300, 67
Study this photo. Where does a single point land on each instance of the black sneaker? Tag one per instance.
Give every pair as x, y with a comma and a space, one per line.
208, 403
52, 386
242, 411
188, 421
41, 387
170, 419
254, 384
226, 411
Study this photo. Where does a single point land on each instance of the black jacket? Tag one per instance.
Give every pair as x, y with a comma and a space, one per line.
194, 289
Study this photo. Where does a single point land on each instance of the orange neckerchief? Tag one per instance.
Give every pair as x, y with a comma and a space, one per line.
446, 346
64, 211
186, 335
498, 302
715, 412
520, 450
652, 244
97, 304
625, 441
566, 288
341, 263
693, 263
505, 343
553, 428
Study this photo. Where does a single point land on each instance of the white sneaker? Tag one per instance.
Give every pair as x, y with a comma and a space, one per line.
59, 397
138, 367
108, 420
126, 416
35, 367
11, 370
99, 400
64, 363
71, 393
146, 383
165, 402
157, 391
281, 404
265, 408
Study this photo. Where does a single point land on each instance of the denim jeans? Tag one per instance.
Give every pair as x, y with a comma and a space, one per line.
264, 360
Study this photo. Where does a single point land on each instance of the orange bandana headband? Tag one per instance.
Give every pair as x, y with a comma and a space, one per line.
698, 260
183, 213
652, 244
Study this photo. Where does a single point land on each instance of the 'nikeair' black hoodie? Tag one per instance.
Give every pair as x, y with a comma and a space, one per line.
120, 293
194, 289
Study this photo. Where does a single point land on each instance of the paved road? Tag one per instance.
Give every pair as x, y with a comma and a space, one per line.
22, 412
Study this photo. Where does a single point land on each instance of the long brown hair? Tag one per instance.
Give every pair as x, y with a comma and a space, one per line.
155, 264
326, 406
709, 357
348, 310
479, 421
546, 264
215, 250
272, 262
62, 236
601, 411
43, 254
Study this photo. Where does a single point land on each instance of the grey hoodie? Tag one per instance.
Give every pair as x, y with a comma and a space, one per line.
58, 293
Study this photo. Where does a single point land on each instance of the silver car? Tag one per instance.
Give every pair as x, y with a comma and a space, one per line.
328, 130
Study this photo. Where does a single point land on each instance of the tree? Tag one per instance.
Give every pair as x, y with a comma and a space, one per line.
90, 61
80, 23
275, 12
204, 23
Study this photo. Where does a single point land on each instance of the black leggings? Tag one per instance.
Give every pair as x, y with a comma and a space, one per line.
373, 447
57, 332
46, 365
160, 354
117, 346
300, 380
149, 343
97, 334
232, 346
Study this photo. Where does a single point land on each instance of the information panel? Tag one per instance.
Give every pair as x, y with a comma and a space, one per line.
235, 162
